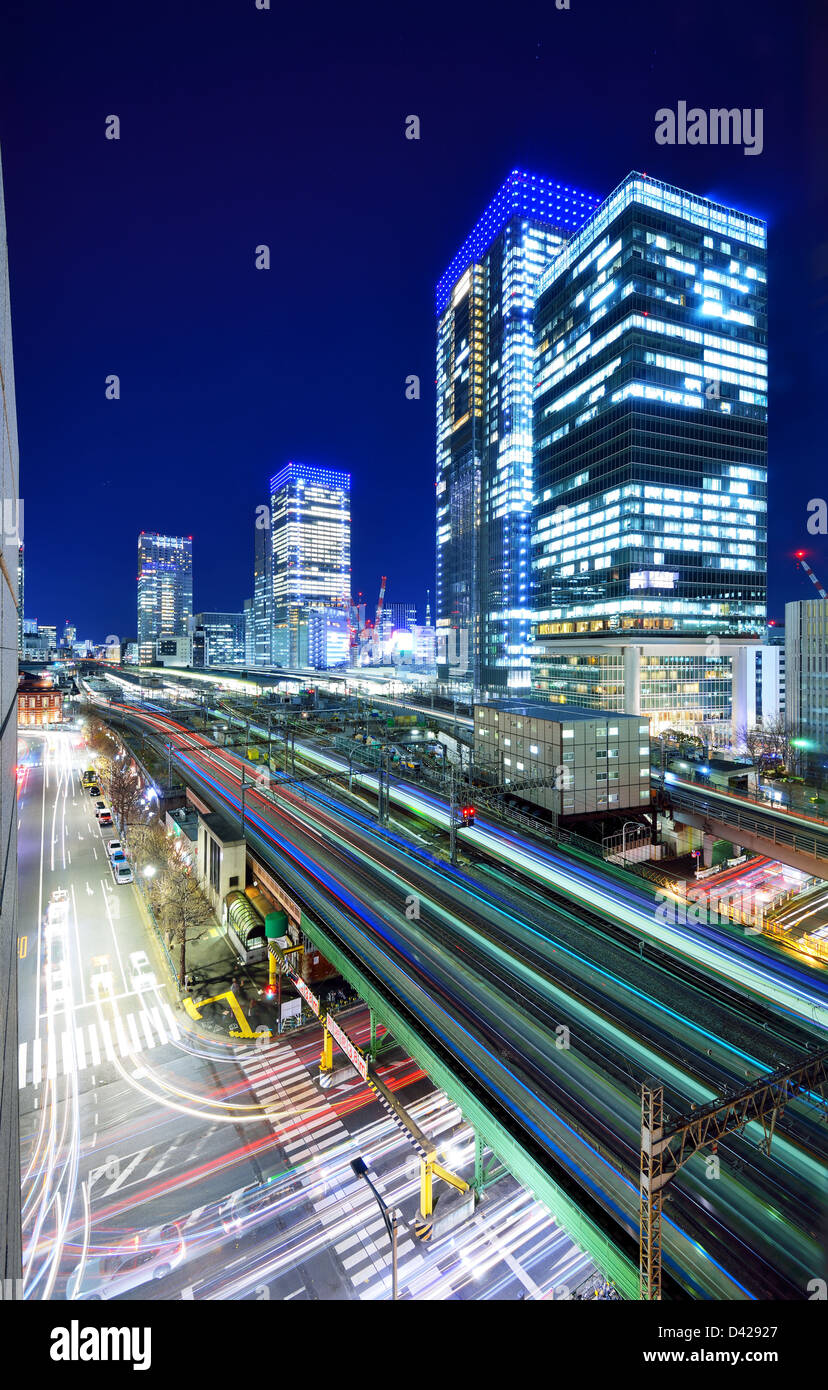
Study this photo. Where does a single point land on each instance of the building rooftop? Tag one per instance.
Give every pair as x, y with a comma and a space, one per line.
558, 714
520, 195
223, 829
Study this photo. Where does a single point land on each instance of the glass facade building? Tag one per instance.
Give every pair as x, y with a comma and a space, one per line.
223, 637
262, 597
165, 589
484, 430
310, 531
650, 422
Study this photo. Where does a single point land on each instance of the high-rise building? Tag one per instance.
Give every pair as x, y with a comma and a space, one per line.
10, 641
262, 596
165, 589
249, 633
401, 617
650, 430
329, 638
806, 680
484, 430
223, 637
310, 530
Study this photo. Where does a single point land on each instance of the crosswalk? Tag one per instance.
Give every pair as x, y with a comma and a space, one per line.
62, 1051
310, 1130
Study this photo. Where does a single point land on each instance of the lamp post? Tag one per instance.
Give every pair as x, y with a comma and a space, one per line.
360, 1170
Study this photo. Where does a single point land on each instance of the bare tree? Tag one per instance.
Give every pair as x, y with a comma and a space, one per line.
184, 911
124, 788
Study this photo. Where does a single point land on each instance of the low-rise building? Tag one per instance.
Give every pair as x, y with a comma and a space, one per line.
38, 703
568, 760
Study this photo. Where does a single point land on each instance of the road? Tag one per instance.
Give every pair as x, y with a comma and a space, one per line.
497, 974
220, 1170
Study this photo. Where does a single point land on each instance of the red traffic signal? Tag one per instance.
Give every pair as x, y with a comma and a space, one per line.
467, 815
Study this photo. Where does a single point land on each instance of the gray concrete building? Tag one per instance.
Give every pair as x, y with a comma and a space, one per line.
806, 678
589, 761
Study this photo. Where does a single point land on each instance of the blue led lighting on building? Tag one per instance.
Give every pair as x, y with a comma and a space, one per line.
526, 195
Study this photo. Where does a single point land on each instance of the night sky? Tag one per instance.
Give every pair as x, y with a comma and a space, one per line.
286, 127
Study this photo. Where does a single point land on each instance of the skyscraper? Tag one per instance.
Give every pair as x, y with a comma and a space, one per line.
806, 680
650, 430
484, 430
10, 639
310, 530
262, 596
165, 589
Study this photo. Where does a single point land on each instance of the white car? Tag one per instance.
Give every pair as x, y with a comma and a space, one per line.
125, 1266
114, 847
140, 973
121, 872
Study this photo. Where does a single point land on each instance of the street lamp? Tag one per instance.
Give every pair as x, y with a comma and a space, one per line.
149, 871
360, 1170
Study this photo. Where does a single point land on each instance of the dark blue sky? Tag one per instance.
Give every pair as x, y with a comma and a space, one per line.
286, 127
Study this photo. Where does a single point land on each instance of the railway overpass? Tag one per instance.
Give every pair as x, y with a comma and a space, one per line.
789, 836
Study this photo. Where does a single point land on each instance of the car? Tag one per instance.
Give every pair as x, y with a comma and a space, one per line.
121, 872
104, 817
99, 806
94, 791
115, 847
141, 975
151, 1255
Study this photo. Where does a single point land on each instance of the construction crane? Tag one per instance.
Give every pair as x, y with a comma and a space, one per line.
807, 568
666, 1148
380, 603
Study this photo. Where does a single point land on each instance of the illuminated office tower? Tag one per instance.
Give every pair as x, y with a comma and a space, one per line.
650, 430
484, 431
165, 589
806, 674
310, 531
262, 596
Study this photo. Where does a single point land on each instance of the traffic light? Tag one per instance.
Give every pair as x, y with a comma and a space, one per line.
467, 815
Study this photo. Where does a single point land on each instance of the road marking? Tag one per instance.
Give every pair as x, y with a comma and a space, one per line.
21, 1066
171, 1023
51, 1056
22, 947
145, 1024
107, 1040
123, 1041
68, 1055
132, 1029
90, 891
122, 1177
95, 1049
80, 1051
156, 1018
36, 1062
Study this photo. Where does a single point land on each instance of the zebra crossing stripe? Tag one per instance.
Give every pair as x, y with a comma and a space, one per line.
36, 1064
21, 1066
68, 1056
123, 1042
107, 1040
145, 1024
171, 1023
156, 1018
80, 1051
93, 1045
51, 1058
132, 1029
